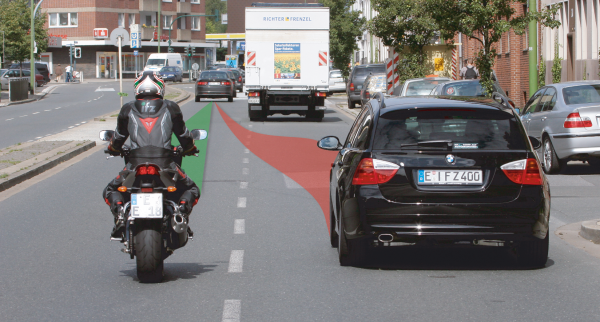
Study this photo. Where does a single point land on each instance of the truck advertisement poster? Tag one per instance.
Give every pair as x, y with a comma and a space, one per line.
287, 61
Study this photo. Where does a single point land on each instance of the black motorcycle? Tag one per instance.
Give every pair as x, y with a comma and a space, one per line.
154, 225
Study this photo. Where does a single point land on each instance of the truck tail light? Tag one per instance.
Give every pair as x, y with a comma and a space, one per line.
526, 171
253, 94
574, 120
321, 94
373, 171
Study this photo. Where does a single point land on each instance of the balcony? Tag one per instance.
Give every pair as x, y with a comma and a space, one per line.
147, 33
184, 34
184, 7
148, 5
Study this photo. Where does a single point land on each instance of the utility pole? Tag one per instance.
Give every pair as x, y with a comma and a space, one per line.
3, 55
159, 31
533, 56
32, 57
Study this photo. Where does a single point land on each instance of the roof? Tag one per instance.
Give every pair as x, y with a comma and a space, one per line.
286, 5
575, 83
406, 102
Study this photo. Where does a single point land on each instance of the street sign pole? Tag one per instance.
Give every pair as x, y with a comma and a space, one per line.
32, 58
120, 69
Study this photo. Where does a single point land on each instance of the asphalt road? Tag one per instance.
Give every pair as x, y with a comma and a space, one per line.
261, 251
67, 106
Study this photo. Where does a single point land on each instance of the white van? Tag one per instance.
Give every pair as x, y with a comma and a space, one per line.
157, 61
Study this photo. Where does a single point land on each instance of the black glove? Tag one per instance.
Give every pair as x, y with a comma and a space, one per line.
185, 206
112, 151
193, 150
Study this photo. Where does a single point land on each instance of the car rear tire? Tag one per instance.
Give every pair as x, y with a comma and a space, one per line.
350, 252
230, 99
333, 235
351, 104
551, 162
534, 254
197, 99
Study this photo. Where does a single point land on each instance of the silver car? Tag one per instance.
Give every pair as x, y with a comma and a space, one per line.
336, 81
565, 117
419, 86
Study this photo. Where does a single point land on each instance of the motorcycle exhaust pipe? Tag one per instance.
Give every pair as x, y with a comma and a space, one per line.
385, 238
179, 223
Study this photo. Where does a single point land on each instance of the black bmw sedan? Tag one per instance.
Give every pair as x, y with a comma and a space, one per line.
433, 171
214, 84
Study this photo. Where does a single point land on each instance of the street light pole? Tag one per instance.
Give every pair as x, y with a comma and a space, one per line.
32, 58
159, 31
533, 54
3, 55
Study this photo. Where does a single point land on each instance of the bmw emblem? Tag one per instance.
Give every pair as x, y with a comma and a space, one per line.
450, 159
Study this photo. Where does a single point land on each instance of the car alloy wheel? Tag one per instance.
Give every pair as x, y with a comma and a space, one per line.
551, 162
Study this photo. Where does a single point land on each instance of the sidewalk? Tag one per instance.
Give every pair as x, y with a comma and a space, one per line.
342, 105
23, 161
40, 93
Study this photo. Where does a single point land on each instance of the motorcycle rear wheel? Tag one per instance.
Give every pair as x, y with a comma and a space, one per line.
148, 253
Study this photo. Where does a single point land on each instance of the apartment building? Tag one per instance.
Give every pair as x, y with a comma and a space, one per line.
75, 21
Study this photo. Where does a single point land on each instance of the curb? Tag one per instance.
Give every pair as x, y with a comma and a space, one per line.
43, 94
590, 230
44, 166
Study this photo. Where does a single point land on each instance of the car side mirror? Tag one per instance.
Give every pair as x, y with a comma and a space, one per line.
535, 143
331, 143
199, 134
107, 135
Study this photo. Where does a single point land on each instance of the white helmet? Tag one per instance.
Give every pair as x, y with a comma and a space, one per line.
149, 83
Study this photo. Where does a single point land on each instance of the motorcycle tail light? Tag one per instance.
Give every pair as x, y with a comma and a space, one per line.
526, 171
574, 120
146, 170
373, 171
147, 190
202, 83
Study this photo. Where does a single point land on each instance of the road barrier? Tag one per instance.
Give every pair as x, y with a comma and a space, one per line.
18, 89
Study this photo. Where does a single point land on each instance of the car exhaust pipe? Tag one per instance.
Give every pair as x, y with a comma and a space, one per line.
485, 242
179, 223
385, 238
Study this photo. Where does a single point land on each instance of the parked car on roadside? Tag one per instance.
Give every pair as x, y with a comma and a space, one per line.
420, 86
336, 81
15, 73
467, 87
214, 84
357, 78
172, 73
237, 78
372, 85
457, 172
565, 117
41, 67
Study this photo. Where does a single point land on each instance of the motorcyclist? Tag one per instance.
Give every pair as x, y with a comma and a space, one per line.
149, 122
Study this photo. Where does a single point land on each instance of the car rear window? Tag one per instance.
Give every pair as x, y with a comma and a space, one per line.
213, 75
468, 129
376, 84
422, 87
583, 94
335, 74
466, 89
364, 71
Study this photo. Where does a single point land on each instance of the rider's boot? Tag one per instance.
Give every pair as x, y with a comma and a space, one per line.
116, 204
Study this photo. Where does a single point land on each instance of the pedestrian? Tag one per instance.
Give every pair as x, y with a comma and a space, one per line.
58, 73
469, 71
68, 70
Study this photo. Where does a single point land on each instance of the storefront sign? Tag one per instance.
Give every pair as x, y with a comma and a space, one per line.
101, 33
59, 36
54, 42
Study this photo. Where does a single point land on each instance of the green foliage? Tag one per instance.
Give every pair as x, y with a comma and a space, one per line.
407, 26
542, 73
344, 27
213, 26
556, 63
15, 20
584, 70
221, 52
122, 94
486, 21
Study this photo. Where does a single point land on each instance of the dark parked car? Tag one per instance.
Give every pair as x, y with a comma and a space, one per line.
237, 77
41, 67
214, 84
467, 87
357, 78
172, 73
372, 85
431, 171
39, 79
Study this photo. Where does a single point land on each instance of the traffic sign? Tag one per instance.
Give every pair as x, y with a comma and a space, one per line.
195, 66
135, 52
122, 33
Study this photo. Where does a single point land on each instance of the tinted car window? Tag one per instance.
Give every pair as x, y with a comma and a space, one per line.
335, 74
376, 84
362, 135
472, 129
463, 89
363, 71
548, 99
422, 87
169, 69
531, 106
583, 94
213, 75
353, 131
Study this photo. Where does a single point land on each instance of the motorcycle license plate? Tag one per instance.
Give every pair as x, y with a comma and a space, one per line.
146, 205
450, 177
255, 100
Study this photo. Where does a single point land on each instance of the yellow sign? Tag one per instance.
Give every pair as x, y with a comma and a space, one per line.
439, 64
225, 36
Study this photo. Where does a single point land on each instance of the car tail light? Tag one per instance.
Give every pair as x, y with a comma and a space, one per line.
253, 94
202, 83
147, 190
351, 86
575, 120
526, 171
240, 79
321, 94
226, 83
367, 94
146, 170
373, 171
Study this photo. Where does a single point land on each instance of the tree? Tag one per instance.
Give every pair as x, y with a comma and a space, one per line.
212, 25
15, 20
344, 27
407, 26
542, 73
486, 21
556, 63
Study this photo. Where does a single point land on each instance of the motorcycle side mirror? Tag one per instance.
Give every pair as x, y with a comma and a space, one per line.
199, 134
106, 135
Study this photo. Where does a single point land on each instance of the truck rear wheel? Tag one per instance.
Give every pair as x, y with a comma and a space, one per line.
315, 115
255, 116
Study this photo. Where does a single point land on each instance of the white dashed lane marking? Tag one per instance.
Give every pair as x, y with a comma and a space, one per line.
243, 185
10, 119
47, 110
241, 203
232, 311
246, 151
22, 115
245, 160
245, 171
239, 226
35, 113
236, 261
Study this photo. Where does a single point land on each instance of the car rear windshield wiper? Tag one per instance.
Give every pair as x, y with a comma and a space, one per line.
433, 145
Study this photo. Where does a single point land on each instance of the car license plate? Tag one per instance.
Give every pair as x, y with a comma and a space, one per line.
254, 100
450, 177
146, 205
214, 83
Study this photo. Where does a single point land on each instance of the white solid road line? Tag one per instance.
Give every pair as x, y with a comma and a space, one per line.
239, 226
245, 171
245, 160
236, 261
10, 119
241, 202
243, 185
232, 310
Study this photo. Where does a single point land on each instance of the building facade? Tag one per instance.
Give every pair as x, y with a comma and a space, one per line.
75, 21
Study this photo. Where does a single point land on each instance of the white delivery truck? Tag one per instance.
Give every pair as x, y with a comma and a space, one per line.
287, 59
157, 61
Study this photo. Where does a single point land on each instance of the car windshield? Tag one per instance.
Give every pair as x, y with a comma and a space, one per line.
156, 62
422, 87
214, 75
583, 94
169, 69
466, 128
466, 89
335, 74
